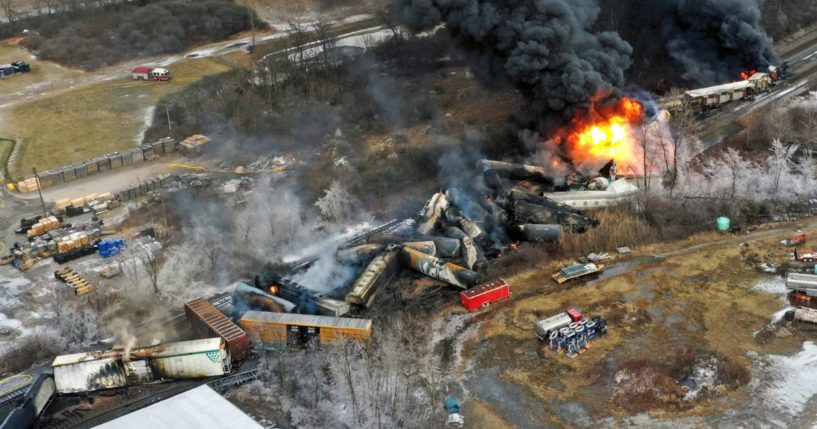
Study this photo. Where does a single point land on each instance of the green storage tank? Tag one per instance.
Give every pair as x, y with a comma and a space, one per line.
724, 224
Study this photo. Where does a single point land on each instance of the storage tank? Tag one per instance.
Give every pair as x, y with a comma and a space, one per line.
724, 224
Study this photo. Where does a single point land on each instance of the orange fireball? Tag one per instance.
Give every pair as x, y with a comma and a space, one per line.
606, 133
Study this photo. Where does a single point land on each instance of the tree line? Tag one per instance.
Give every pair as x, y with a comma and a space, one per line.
91, 35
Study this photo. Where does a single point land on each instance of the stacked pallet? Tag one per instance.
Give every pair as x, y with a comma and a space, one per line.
28, 185
44, 225
72, 241
79, 283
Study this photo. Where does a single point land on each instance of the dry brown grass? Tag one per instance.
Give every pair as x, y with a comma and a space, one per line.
93, 119
616, 228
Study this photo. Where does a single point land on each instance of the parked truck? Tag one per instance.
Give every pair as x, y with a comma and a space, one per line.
575, 271
14, 68
150, 73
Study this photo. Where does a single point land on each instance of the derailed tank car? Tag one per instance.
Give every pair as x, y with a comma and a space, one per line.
87, 372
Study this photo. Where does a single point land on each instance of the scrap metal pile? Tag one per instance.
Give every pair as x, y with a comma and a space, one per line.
455, 234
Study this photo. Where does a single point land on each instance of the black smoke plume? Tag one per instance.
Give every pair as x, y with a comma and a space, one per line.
715, 40
546, 48
703, 42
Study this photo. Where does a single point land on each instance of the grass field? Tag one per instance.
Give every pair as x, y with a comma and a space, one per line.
701, 299
93, 119
43, 73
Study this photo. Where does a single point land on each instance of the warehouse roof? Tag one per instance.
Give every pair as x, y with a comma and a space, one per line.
307, 320
198, 408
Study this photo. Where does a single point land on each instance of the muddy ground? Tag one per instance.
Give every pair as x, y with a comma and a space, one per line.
695, 308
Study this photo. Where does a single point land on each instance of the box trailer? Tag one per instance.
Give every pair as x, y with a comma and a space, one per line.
483, 295
278, 330
207, 321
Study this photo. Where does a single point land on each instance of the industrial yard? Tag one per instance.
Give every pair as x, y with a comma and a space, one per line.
406, 213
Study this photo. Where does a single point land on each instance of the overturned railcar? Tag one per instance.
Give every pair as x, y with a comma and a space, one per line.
380, 271
118, 367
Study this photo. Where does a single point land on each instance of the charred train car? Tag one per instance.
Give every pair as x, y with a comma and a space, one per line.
119, 367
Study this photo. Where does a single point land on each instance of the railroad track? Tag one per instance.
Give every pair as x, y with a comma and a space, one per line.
235, 380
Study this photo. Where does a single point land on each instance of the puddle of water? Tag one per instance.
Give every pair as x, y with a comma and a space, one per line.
511, 402
625, 267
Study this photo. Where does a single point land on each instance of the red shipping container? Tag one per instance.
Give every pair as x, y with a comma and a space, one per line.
207, 321
484, 294
574, 314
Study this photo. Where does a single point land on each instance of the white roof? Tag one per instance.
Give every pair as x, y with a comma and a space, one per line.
159, 70
718, 89
198, 408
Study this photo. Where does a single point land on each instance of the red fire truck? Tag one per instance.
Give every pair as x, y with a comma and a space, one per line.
150, 73
483, 295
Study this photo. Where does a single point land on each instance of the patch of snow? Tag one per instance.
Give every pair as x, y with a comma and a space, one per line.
775, 286
355, 18
778, 315
704, 373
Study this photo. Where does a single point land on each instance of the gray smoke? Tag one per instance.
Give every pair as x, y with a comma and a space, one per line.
714, 40
546, 48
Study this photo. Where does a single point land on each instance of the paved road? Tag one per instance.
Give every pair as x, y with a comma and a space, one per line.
109, 181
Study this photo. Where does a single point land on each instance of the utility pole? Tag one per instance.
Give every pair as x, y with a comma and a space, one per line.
169, 126
39, 190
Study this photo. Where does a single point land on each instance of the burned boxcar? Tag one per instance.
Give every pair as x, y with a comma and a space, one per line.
207, 321
118, 367
278, 330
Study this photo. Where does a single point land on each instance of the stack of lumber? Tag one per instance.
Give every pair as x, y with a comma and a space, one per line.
79, 283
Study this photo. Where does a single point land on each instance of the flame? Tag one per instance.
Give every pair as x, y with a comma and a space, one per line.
273, 289
606, 133
747, 74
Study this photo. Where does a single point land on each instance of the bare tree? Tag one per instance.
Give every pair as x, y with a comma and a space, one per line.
778, 161
299, 37
683, 130
8, 8
150, 263
390, 18
326, 38
337, 203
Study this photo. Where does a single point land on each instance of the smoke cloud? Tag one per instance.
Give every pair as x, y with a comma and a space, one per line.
701, 41
545, 48
714, 40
